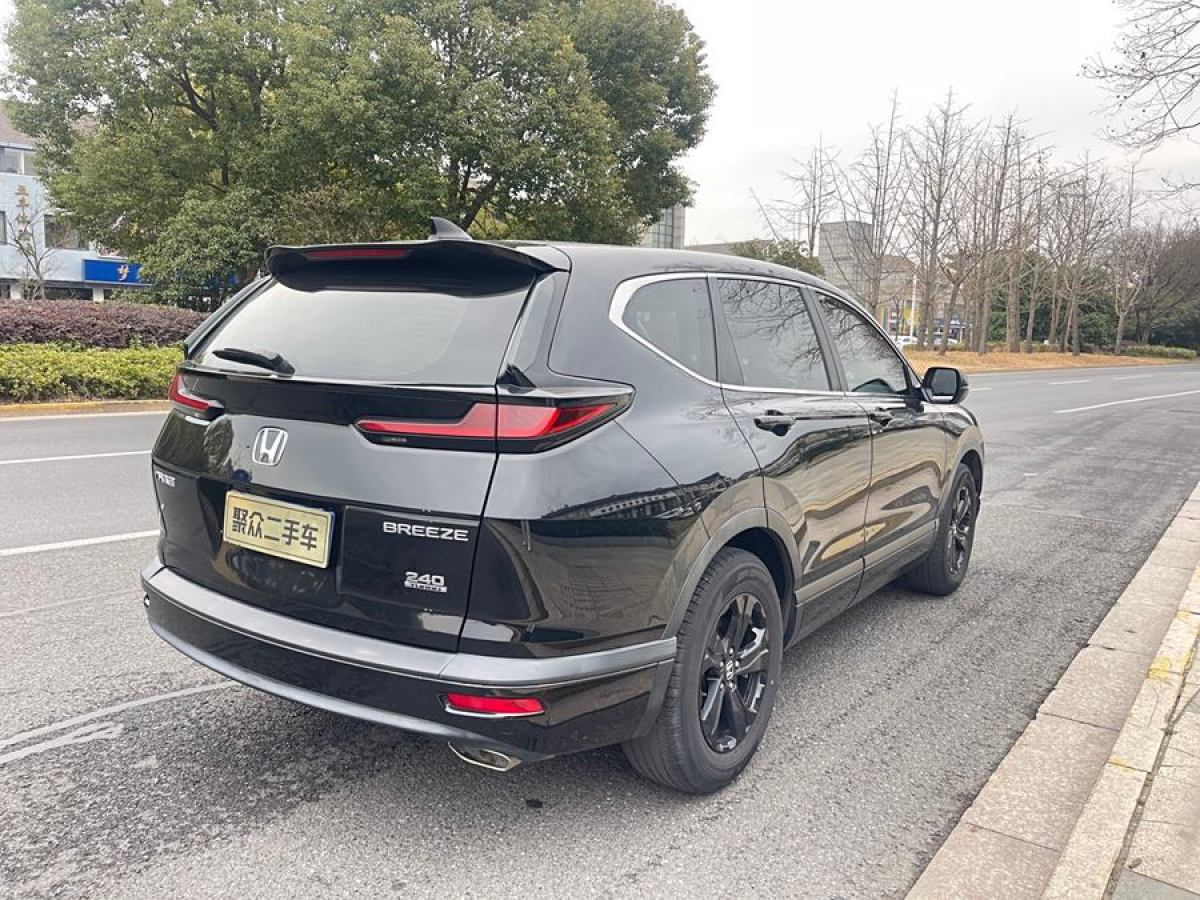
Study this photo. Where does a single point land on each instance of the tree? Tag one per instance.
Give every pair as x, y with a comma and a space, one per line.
875, 190
938, 152
781, 251
1172, 283
1128, 255
179, 132
37, 256
816, 193
1155, 79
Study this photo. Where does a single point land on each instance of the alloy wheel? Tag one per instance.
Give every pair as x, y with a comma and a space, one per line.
962, 528
733, 674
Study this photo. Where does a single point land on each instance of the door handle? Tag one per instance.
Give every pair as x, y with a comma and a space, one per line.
775, 421
881, 416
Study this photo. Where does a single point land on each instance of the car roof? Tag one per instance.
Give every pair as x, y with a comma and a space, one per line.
649, 260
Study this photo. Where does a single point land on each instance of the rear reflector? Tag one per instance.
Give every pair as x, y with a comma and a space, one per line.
503, 422
189, 402
494, 706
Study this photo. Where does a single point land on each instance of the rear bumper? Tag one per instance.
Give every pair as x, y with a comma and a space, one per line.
590, 699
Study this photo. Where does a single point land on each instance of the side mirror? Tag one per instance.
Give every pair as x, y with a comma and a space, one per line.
944, 384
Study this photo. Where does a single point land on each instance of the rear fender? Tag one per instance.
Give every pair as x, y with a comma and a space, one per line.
759, 517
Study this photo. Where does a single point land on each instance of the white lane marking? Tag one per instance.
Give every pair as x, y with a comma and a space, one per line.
60, 416
1075, 381
110, 711
976, 390
47, 459
82, 542
1130, 377
1121, 402
97, 732
29, 610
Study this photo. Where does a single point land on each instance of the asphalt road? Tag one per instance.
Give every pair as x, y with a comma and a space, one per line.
126, 770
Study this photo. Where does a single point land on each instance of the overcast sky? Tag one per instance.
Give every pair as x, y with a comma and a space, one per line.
788, 71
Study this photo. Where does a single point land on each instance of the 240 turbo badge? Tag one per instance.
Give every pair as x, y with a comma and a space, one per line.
425, 582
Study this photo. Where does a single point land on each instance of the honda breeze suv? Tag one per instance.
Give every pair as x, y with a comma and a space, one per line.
539, 498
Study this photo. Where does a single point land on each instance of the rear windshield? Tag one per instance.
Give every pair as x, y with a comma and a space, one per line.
412, 337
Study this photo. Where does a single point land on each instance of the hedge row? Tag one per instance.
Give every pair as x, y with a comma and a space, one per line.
1158, 352
30, 372
111, 324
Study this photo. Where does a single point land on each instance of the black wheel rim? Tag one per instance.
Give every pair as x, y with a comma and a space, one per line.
962, 528
733, 676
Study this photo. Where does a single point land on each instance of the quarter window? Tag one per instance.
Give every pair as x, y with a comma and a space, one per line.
675, 317
870, 363
773, 336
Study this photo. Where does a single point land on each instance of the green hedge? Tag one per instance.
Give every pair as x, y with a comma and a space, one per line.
30, 372
1158, 352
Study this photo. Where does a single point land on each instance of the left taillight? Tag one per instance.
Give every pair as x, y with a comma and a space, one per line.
192, 404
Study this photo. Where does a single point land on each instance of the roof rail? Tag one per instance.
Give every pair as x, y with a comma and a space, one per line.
444, 230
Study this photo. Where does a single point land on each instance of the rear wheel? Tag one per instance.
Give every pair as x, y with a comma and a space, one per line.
945, 566
723, 686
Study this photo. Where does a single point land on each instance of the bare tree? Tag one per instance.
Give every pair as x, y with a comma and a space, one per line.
1154, 81
1172, 278
37, 257
937, 150
816, 194
1128, 257
875, 189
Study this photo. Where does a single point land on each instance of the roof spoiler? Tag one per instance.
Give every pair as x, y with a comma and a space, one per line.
449, 259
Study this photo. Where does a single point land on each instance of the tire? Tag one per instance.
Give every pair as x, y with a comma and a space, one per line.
679, 751
945, 566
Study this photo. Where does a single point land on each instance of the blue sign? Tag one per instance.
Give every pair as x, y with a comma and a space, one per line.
112, 271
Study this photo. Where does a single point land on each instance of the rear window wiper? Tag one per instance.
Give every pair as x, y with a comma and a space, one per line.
265, 359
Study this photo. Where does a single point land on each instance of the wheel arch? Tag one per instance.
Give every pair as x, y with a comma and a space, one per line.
973, 460
761, 533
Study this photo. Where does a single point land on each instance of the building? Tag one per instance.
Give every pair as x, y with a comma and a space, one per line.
667, 232
725, 247
845, 255
33, 237
842, 250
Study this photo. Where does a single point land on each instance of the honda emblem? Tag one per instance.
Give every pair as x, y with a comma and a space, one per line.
268, 446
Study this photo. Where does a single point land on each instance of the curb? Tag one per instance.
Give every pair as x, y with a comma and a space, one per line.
77, 407
1059, 813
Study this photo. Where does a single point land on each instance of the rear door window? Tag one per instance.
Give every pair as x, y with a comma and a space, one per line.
773, 336
397, 336
675, 318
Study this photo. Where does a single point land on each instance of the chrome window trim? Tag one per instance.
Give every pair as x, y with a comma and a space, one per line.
626, 290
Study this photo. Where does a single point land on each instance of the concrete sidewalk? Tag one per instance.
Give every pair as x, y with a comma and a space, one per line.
1101, 792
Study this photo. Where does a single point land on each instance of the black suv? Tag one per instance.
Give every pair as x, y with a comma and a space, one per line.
538, 498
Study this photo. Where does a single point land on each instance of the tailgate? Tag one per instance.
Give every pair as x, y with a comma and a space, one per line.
271, 489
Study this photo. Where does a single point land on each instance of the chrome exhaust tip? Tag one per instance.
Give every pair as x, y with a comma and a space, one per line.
493, 760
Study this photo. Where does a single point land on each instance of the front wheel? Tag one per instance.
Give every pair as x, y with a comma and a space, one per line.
722, 688
945, 566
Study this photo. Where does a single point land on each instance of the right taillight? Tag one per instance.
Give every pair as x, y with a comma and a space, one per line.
514, 427
189, 403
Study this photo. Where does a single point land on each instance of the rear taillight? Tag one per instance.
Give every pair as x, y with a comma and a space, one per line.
498, 707
479, 422
515, 427
190, 403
